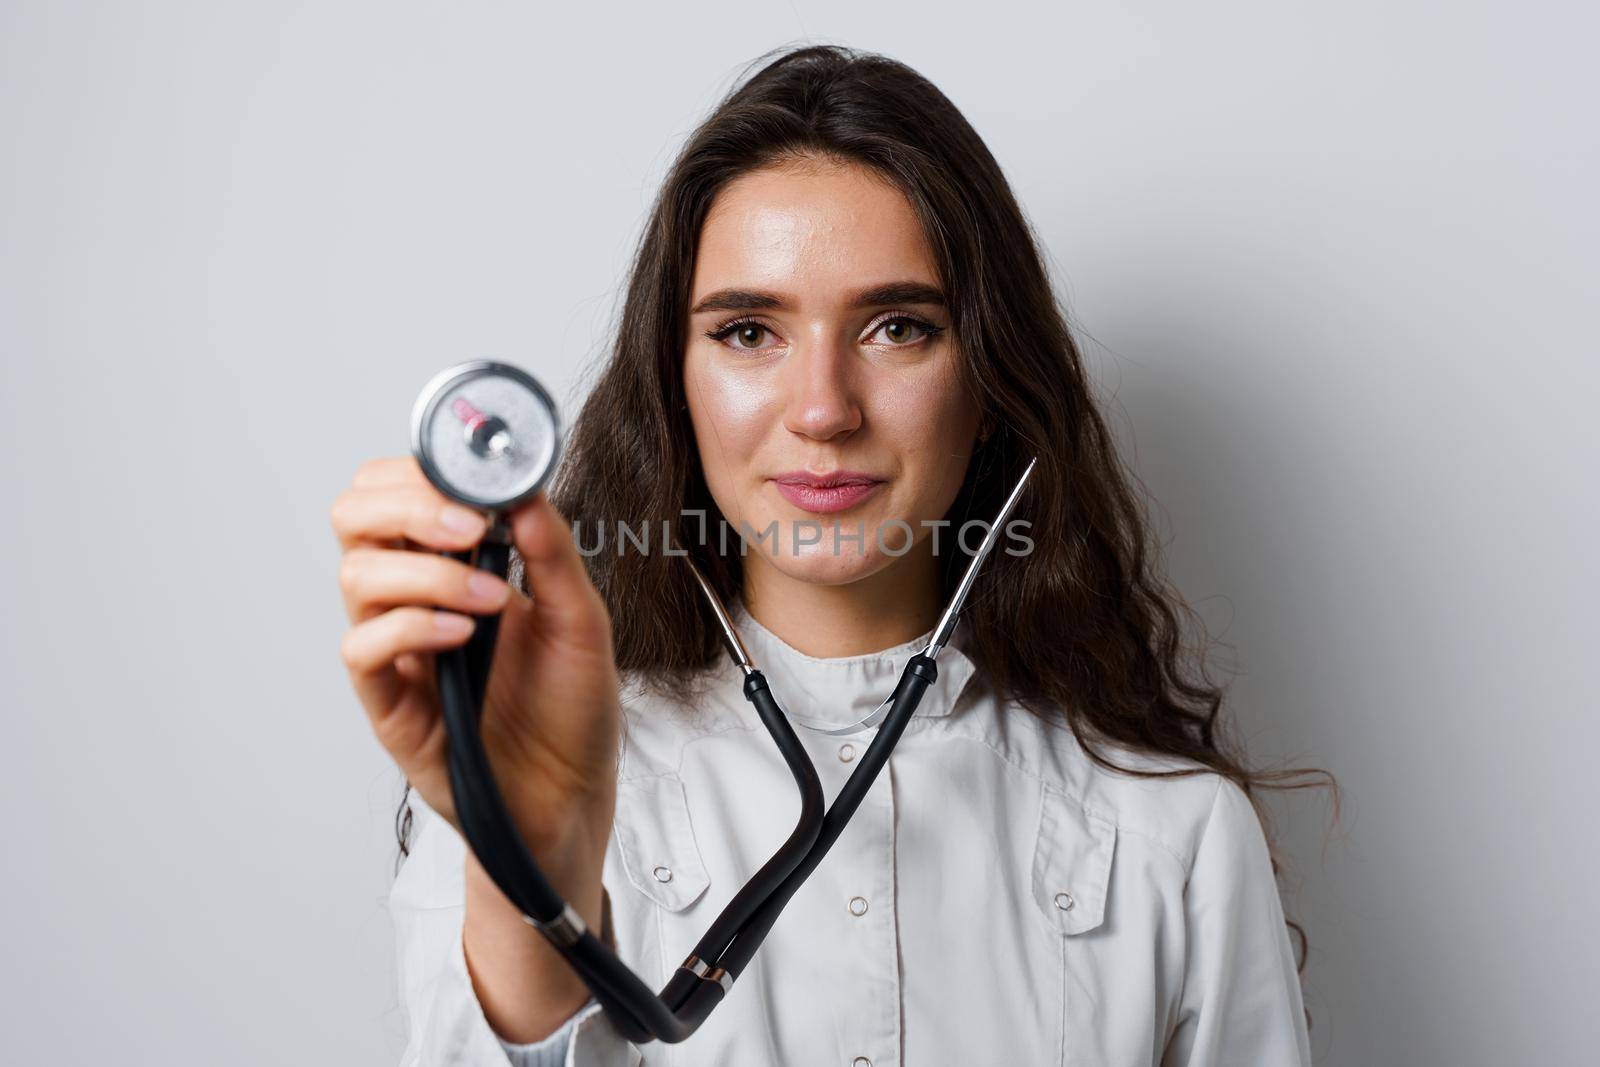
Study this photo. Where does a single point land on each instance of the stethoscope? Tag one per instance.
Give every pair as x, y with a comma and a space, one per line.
486, 435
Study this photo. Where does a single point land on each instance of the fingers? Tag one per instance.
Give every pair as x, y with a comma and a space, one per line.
558, 584
388, 514
369, 649
374, 580
388, 471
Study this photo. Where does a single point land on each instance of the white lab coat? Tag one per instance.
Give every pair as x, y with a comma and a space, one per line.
997, 898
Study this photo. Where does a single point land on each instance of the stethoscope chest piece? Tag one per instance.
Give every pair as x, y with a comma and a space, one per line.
485, 434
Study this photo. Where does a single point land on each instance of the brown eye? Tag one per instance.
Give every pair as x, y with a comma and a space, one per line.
748, 335
898, 329
903, 330
743, 335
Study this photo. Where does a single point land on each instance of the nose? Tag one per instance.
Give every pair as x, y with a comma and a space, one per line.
820, 380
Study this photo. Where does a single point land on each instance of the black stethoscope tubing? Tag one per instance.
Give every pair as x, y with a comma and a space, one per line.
638, 1013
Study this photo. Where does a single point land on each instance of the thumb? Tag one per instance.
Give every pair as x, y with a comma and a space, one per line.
558, 584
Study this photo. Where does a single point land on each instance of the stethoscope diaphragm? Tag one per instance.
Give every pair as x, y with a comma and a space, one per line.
485, 434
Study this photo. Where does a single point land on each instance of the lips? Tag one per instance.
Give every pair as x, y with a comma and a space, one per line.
824, 494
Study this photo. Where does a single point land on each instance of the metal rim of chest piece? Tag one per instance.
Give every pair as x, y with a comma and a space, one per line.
486, 434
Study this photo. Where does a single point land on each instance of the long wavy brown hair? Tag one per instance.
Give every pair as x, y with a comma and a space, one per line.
1106, 653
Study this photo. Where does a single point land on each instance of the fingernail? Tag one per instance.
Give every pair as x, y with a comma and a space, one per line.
451, 625
486, 589
461, 520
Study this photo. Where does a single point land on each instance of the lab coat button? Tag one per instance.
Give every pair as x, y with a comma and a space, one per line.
858, 905
860, 1061
847, 752
1064, 901
663, 874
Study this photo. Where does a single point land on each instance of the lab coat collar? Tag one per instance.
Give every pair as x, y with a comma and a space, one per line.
846, 689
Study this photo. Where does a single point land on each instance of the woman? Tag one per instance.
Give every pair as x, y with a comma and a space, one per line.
837, 318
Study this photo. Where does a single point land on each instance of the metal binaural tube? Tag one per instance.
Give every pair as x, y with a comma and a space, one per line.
730, 635
952, 611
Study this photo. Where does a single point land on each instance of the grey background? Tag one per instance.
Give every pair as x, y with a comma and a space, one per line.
1334, 264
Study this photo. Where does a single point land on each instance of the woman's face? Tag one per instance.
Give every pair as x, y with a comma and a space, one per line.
822, 375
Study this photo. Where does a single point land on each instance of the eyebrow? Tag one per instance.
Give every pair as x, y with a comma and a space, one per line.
759, 300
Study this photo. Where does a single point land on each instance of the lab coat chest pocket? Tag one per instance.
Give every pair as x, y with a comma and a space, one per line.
1072, 863
655, 841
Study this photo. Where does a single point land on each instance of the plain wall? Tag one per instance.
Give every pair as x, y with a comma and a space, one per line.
1334, 266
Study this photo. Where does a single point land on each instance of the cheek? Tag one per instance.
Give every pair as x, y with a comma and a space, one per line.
732, 413
736, 402
928, 415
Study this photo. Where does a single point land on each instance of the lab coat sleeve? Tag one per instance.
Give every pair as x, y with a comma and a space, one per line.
552, 1051
1241, 999
447, 1027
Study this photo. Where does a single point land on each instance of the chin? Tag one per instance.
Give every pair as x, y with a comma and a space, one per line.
821, 567
823, 563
